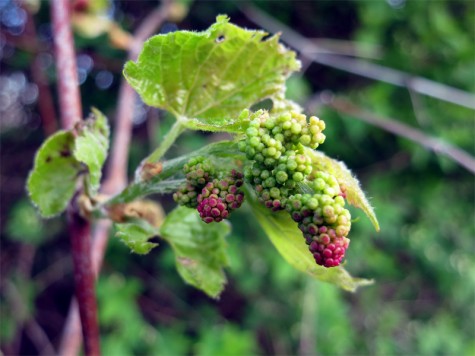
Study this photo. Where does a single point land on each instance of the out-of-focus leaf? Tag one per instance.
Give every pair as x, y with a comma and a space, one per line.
288, 240
91, 146
213, 75
25, 225
199, 249
136, 235
226, 340
52, 181
354, 194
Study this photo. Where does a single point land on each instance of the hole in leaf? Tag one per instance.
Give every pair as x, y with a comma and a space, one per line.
265, 104
220, 39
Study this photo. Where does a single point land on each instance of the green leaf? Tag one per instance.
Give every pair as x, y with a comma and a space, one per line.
211, 76
288, 240
91, 146
52, 181
238, 125
136, 235
199, 249
161, 183
354, 194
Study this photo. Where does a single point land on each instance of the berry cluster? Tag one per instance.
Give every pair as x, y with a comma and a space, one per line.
323, 220
214, 197
198, 171
220, 197
278, 164
274, 146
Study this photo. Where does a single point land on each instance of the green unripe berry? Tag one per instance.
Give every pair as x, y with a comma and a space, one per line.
281, 177
297, 176
252, 131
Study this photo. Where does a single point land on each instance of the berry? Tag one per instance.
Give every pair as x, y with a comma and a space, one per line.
323, 220
198, 171
220, 197
186, 195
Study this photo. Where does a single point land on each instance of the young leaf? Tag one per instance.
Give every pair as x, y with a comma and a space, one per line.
354, 193
210, 76
288, 240
199, 249
91, 146
136, 235
52, 181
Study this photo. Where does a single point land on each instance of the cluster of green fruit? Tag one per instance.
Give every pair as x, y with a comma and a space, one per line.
214, 195
278, 168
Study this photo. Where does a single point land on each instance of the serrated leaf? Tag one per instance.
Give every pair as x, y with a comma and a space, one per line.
136, 235
199, 249
161, 183
288, 240
213, 75
52, 181
92, 143
354, 194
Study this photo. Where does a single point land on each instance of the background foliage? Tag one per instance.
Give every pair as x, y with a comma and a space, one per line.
422, 302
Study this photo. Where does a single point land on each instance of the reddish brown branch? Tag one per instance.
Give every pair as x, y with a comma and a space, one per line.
69, 97
79, 228
116, 177
45, 99
80, 232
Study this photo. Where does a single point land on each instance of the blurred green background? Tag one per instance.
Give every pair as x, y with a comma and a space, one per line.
422, 261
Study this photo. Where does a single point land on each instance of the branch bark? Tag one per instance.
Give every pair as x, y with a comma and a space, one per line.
69, 97
78, 228
116, 175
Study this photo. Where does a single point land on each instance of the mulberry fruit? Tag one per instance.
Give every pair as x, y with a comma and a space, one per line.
220, 197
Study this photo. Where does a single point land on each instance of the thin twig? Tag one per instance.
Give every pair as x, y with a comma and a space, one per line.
69, 96
36, 334
117, 170
116, 176
363, 68
456, 154
39, 337
45, 98
79, 229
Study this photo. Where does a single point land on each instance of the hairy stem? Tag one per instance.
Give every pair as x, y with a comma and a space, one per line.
169, 139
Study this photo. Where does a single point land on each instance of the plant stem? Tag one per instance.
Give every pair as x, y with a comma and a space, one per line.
167, 142
68, 85
80, 235
116, 176
79, 228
